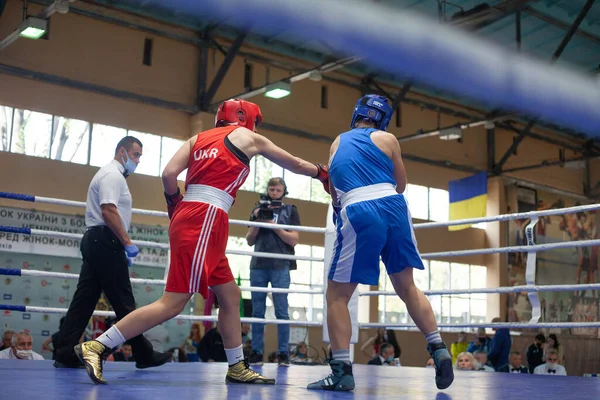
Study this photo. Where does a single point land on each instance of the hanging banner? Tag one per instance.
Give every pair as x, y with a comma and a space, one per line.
63, 247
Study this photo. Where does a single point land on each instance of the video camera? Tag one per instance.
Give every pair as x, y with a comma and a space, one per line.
265, 211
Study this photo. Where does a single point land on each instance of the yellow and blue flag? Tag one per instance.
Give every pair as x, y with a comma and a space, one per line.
468, 199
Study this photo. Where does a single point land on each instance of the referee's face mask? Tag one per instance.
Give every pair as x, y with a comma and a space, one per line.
130, 159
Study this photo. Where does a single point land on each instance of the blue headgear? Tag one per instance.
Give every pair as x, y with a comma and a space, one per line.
375, 108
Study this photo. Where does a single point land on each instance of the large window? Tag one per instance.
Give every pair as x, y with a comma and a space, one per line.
31, 133
83, 142
104, 143
458, 308
6, 122
70, 140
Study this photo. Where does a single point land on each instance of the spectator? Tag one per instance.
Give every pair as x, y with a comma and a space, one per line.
552, 343
535, 352
466, 362
459, 346
551, 367
514, 365
500, 347
7, 339
211, 346
430, 363
50, 343
482, 361
371, 346
385, 357
481, 343
192, 342
275, 271
21, 348
125, 353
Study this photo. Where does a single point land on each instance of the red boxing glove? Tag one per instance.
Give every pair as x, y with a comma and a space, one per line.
172, 201
323, 176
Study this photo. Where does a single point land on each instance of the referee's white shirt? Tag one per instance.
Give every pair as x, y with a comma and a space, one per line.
108, 187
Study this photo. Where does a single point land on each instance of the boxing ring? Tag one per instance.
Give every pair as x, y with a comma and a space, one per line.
472, 68
192, 380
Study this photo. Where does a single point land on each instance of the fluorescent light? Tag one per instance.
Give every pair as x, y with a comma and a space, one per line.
278, 90
451, 133
33, 28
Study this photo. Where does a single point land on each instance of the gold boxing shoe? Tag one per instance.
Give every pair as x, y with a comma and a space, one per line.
92, 354
240, 372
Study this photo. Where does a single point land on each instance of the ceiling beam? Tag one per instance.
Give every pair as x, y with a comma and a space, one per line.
560, 24
208, 96
491, 15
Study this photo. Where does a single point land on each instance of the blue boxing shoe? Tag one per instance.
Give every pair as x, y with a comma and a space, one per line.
444, 373
341, 378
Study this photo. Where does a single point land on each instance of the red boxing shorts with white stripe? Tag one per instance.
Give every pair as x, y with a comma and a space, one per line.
198, 236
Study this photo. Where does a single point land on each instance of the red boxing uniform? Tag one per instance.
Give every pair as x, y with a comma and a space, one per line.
200, 225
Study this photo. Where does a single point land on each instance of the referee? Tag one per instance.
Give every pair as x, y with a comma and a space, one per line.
107, 251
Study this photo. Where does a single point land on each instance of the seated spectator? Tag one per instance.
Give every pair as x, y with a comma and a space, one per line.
124, 353
460, 346
482, 361
49, 344
211, 347
21, 348
535, 352
430, 363
7, 339
466, 362
481, 343
551, 367
514, 365
247, 348
192, 342
385, 357
300, 353
552, 343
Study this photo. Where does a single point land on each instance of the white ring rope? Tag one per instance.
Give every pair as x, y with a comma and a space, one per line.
213, 318
457, 253
467, 221
502, 289
507, 325
144, 243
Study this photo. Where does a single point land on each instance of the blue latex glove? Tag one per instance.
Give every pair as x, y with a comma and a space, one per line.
129, 262
132, 251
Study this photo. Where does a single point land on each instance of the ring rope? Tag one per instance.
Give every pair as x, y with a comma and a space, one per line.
496, 218
213, 318
144, 243
499, 290
149, 282
457, 253
506, 325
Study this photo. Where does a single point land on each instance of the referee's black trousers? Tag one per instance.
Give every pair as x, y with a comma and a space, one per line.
105, 269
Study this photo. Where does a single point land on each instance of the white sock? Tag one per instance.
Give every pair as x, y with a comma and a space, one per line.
234, 355
111, 338
433, 337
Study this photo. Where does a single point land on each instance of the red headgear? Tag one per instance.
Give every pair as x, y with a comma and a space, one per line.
238, 112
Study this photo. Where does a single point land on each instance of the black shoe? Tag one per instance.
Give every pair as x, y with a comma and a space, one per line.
444, 372
74, 364
156, 360
284, 360
255, 358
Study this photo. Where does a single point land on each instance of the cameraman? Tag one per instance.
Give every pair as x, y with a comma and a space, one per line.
264, 270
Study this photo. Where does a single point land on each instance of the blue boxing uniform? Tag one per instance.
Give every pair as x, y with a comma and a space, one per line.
374, 219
